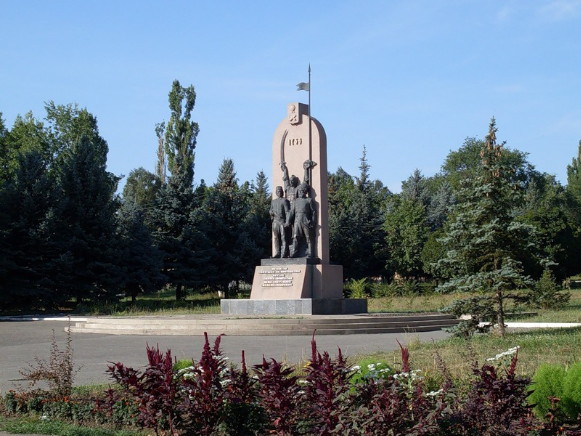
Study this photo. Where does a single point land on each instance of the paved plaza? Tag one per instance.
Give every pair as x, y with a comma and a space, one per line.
22, 341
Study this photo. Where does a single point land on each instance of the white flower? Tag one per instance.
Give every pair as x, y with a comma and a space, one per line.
434, 393
355, 368
508, 352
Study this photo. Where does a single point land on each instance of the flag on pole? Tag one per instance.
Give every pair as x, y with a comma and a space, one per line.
303, 86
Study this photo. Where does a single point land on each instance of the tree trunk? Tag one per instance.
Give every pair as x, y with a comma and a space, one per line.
180, 294
500, 313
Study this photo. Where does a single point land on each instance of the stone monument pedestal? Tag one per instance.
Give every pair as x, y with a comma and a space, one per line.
301, 286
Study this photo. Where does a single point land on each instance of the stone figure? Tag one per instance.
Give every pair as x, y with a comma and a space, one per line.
291, 183
279, 214
303, 215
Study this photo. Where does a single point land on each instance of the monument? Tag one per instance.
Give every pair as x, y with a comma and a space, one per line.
299, 277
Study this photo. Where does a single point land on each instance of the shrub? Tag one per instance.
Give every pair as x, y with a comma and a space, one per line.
156, 389
357, 288
326, 390
496, 403
58, 371
182, 364
547, 384
571, 401
546, 294
370, 369
279, 394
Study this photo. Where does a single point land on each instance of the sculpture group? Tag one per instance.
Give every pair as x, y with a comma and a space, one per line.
294, 211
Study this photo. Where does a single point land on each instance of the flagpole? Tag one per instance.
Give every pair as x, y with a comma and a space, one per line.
310, 140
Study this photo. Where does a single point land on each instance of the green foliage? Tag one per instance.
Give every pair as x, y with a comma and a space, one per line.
432, 251
465, 163
141, 188
86, 205
370, 370
546, 383
483, 241
546, 294
181, 135
401, 288
226, 209
574, 177
26, 236
406, 232
185, 248
357, 288
571, 402
182, 364
26, 136
139, 260
547, 207
356, 236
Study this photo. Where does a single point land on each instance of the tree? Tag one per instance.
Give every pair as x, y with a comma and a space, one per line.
258, 219
141, 189
406, 232
181, 135
26, 245
226, 208
483, 239
356, 234
441, 203
574, 177
67, 125
160, 167
27, 135
546, 208
85, 209
140, 260
363, 181
465, 162
574, 188
174, 232
415, 189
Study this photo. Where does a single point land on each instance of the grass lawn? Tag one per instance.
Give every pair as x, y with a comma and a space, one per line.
34, 424
158, 303
555, 346
558, 346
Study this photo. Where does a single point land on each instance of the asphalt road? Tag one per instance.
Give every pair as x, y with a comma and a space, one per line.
22, 341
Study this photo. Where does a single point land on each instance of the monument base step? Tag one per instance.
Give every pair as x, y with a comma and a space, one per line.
299, 306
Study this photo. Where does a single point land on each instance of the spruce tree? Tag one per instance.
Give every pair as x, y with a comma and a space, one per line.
85, 209
26, 245
258, 220
140, 260
226, 208
483, 240
356, 233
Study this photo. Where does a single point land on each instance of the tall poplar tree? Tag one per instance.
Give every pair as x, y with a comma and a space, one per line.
174, 231
484, 241
574, 186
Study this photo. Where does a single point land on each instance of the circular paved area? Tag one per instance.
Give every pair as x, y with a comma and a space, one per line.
22, 341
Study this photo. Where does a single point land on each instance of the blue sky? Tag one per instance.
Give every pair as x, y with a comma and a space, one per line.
408, 79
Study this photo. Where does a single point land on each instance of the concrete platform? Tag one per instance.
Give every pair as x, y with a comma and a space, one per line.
299, 306
265, 326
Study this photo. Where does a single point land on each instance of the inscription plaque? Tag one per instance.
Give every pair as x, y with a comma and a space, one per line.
278, 277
